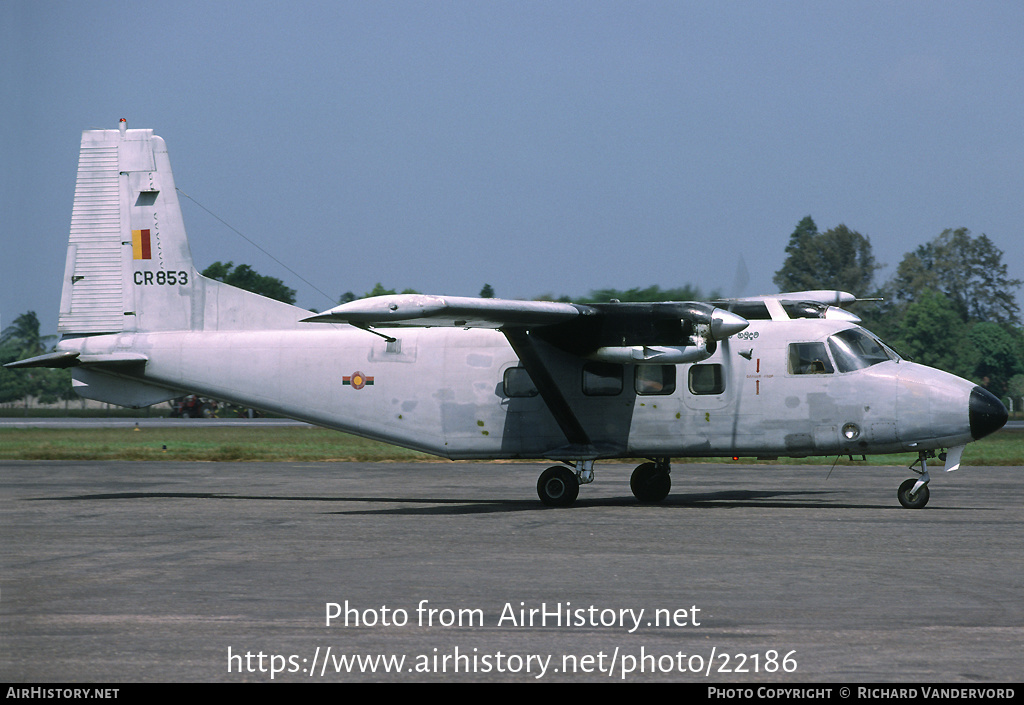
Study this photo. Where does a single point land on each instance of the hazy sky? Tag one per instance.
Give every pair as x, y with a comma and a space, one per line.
540, 147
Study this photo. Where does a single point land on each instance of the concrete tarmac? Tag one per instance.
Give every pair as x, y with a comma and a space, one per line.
226, 572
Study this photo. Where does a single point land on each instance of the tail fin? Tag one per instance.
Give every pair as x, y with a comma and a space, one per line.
128, 265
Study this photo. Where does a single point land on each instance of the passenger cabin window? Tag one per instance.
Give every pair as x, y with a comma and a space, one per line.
655, 379
517, 383
809, 359
602, 379
854, 349
706, 379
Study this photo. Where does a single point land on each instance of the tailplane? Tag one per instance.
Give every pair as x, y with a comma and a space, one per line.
128, 265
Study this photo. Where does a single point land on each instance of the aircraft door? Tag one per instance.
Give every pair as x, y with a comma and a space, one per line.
726, 396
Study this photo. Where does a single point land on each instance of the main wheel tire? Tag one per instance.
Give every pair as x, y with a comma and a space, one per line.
650, 483
558, 486
910, 501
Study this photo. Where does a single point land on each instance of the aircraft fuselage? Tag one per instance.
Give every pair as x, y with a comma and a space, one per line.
453, 393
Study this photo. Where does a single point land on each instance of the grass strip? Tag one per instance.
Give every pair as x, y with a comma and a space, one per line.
312, 444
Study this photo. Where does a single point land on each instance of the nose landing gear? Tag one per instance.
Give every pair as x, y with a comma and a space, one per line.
911, 499
913, 493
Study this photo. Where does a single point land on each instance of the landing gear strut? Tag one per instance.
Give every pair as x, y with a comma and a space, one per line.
651, 482
913, 493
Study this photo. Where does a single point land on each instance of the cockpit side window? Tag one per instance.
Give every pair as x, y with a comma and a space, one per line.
809, 359
854, 349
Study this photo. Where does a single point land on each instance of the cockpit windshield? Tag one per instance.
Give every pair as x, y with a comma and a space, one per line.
853, 349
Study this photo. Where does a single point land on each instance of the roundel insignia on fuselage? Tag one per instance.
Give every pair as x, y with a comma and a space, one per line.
357, 380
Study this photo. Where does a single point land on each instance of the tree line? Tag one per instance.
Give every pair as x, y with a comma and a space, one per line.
950, 304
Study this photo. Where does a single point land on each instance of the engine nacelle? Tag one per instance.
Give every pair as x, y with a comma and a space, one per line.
653, 354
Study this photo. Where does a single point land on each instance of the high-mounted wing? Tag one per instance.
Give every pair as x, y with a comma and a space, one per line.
666, 332
821, 296
423, 310
819, 303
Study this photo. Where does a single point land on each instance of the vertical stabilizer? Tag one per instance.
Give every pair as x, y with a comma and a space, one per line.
126, 233
128, 265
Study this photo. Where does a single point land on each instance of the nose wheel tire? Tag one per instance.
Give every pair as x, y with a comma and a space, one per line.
912, 501
558, 486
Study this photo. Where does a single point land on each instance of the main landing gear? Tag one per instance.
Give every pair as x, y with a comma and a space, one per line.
913, 493
559, 485
651, 482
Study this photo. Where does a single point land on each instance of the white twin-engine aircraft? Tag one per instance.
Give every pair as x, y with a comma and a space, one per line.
465, 378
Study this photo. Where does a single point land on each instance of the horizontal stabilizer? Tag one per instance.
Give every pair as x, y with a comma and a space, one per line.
54, 359
458, 311
70, 358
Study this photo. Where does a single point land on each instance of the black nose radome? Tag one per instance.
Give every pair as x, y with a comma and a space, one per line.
987, 413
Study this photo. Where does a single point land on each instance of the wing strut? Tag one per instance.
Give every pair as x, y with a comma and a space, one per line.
526, 348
